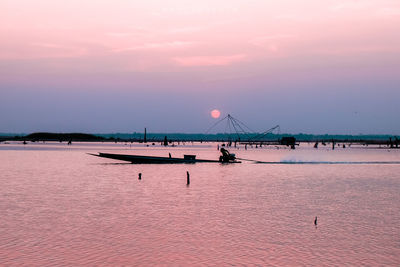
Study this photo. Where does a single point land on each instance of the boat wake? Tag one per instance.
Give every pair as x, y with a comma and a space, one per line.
330, 162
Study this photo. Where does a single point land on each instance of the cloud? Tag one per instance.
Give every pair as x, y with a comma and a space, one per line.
379, 7
41, 50
128, 32
119, 34
357, 49
270, 42
350, 5
149, 46
186, 30
389, 12
209, 60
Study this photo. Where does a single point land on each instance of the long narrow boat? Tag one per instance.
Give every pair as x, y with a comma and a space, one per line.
160, 160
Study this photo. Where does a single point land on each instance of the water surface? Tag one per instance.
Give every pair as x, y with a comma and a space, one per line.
60, 206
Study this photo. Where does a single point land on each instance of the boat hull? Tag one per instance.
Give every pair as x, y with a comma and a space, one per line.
138, 159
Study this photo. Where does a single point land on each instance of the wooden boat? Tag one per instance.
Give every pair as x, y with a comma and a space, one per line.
162, 160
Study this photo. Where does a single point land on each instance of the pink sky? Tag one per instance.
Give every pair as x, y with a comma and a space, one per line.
218, 44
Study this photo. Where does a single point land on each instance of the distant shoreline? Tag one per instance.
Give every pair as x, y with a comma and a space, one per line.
269, 139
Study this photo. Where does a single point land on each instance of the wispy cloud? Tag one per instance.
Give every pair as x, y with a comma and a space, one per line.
389, 12
349, 5
149, 46
209, 60
56, 50
270, 41
357, 49
128, 32
186, 30
389, 8
119, 34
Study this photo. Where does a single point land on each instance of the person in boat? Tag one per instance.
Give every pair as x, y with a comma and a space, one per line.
226, 156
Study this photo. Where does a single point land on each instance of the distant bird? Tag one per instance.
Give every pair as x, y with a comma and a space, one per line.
315, 221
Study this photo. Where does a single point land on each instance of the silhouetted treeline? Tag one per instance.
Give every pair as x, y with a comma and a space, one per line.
155, 137
62, 137
242, 137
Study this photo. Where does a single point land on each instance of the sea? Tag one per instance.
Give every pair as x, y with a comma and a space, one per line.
60, 206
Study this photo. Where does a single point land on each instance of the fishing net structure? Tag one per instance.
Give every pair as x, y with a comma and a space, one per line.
236, 130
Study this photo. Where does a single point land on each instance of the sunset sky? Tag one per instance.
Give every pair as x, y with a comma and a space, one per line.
106, 66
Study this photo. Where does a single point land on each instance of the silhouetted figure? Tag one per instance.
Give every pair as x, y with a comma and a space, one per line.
218, 147
69, 142
187, 178
315, 221
225, 155
316, 145
140, 176
169, 155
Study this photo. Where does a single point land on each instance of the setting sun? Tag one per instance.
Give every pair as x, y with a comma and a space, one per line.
215, 113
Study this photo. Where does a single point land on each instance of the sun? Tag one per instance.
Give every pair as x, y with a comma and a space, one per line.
215, 113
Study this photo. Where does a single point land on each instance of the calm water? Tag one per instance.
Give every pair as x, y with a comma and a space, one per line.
62, 207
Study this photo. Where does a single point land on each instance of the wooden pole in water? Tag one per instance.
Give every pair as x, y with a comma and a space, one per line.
187, 178
140, 176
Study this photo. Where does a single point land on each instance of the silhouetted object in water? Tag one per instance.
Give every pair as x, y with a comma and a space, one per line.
159, 160
315, 221
187, 178
169, 155
344, 146
218, 147
24, 142
145, 136
333, 145
226, 156
165, 141
140, 176
316, 145
288, 141
69, 142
